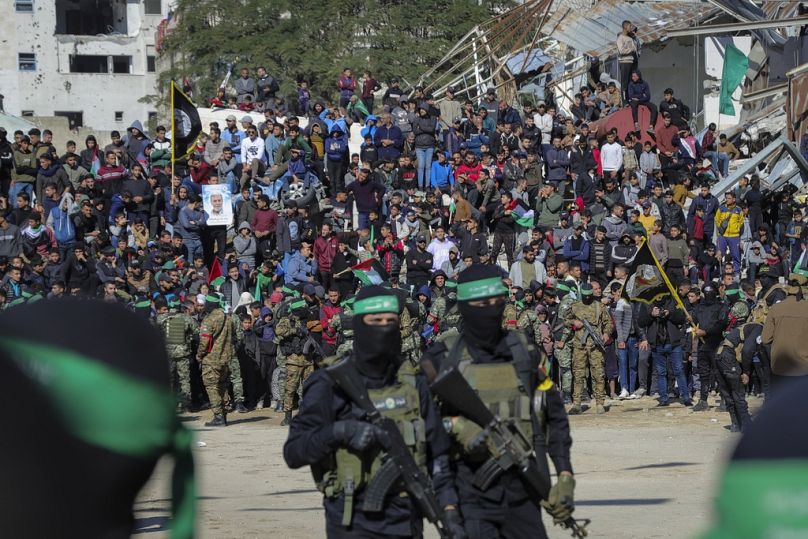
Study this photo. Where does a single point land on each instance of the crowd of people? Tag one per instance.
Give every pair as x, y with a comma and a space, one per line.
436, 187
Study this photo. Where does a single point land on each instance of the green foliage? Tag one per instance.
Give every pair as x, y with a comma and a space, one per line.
316, 40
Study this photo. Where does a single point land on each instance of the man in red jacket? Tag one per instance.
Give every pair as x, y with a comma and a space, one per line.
325, 249
328, 310
264, 223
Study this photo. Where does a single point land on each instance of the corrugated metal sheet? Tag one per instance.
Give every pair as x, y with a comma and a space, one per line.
797, 104
594, 31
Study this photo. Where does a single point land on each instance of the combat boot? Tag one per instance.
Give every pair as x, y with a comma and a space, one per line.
701, 406
286, 419
240, 408
574, 410
217, 421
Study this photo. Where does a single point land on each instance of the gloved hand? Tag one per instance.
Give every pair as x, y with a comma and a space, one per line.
560, 503
454, 521
356, 435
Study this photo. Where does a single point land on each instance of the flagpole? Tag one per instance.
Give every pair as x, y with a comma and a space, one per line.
173, 136
673, 291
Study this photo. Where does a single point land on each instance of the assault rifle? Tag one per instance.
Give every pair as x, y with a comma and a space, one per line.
399, 463
593, 334
513, 450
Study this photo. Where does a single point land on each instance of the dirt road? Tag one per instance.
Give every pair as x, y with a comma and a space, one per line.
642, 472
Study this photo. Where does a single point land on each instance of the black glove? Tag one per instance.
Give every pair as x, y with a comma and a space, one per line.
454, 521
356, 435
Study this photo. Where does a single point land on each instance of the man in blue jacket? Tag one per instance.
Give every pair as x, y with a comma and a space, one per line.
388, 139
302, 267
558, 161
639, 93
709, 204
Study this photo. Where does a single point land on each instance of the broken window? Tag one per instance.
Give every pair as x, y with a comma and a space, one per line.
74, 119
121, 64
152, 7
151, 64
90, 17
27, 61
86, 63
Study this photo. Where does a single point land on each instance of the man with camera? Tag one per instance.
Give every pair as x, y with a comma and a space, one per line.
664, 323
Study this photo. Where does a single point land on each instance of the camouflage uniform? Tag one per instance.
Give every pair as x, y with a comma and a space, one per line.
584, 352
561, 333
444, 310
235, 368
343, 325
214, 353
179, 330
291, 335
411, 331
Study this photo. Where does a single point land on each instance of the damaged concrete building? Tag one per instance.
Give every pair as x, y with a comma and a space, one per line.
89, 61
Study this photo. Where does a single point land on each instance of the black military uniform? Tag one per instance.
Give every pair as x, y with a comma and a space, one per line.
504, 370
711, 316
734, 365
331, 433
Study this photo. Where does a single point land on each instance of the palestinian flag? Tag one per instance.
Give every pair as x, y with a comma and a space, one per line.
523, 215
370, 272
185, 124
648, 281
215, 275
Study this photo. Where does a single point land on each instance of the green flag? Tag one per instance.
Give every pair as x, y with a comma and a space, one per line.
735, 65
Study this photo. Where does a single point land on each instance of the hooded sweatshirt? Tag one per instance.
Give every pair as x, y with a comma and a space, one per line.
245, 247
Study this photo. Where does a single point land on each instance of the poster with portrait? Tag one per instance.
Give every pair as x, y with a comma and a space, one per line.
216, 201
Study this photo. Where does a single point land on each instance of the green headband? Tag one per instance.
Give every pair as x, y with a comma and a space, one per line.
484, 288
450, 284
771, 487
563, 287
376, 304
297, 305
212, 299
585, 292
143, 304
121, 414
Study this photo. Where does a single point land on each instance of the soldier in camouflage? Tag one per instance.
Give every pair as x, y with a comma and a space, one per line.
445, 314
563, 337
178, 330
413, 318
584, 352
215, 349
235, 369
292, 334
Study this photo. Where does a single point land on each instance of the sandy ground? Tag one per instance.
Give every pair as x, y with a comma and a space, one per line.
642, 472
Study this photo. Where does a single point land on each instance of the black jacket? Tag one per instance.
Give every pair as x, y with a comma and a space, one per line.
419, 266
712, 318
673, 323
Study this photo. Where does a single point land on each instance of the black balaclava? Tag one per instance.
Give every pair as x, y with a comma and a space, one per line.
212, 302
376, 349
587, 294
482, 325
710, 294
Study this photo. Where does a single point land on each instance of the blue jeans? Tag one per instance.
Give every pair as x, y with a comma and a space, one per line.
723, 162
364, 219
194, 248
20, 187
734, 246
660, 355
628, 360
235, 187
424, 156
